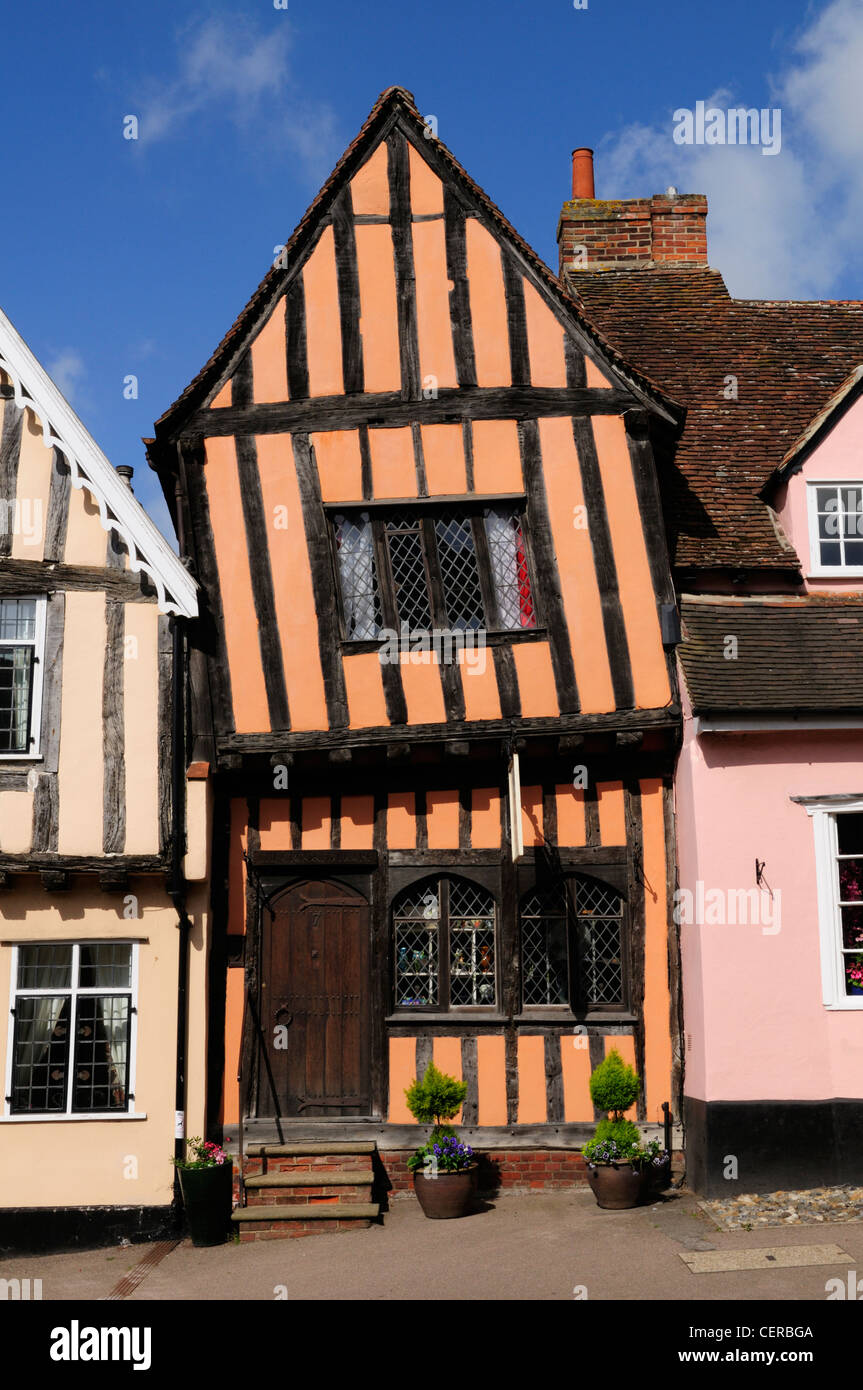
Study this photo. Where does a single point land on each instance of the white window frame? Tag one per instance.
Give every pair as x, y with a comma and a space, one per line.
823, 812
68, 1115
34, 753
816, 569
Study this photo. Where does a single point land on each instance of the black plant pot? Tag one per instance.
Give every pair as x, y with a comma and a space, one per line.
207, 1194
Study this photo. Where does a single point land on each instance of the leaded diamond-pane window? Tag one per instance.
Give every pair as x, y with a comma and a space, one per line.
73, 1009
360, 599
19, 637
444, 937
457, 554
460, 570
571, 945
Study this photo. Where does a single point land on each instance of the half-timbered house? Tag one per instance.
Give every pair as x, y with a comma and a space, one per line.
433, 680
95, 912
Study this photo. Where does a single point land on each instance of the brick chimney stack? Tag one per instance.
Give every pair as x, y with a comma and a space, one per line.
668, 230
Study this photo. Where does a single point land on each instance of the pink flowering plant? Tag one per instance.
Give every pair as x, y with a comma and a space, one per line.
201, 1153
854, 971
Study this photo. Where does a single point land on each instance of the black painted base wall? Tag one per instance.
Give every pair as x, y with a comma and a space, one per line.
50, 1230
778, 1144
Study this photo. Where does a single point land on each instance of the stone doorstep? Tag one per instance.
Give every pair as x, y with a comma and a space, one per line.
307, 1150
327, 1211
352, 1177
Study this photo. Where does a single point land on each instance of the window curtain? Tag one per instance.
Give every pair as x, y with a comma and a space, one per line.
34, 1031
509, 568
357, 569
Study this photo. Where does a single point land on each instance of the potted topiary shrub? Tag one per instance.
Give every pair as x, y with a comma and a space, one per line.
620, 1169
444, 1169
206, 1181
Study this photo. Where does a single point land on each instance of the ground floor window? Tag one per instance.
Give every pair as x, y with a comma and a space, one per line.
72, 1010
571, 945
838, 825
444, 936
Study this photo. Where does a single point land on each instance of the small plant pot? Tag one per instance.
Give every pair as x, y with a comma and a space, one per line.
207, 1196
616, 1187
658, 1175
447, 1195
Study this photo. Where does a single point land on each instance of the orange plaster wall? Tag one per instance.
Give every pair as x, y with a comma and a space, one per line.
269, 358
491, 1079
443, 451
593, 376
233, 1040
434, 328
222, 397
423, 692
316, 822
638, 600
532, 1100
337, 453
275, 823
426, 187
496, 457
657, 995
579, 586
365, 691
479, 684
403, 1052
358, 822
251, 713
485, 818
531, 816
370, 187
323, 325
544, 341
571, 824
535, 679
394, 471
442, 808
487, 307
292, 582
612, 813
401, 821
575, 1066
446, 1054
378, 308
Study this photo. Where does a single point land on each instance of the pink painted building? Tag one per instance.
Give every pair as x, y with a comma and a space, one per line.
762, 489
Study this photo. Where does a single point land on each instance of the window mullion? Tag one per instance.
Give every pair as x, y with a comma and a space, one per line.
437, 603
443, 946
73, 1023
486, 575
389, 607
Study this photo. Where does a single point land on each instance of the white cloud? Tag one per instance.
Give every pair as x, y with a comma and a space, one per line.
227, 66
68, 372
785, 225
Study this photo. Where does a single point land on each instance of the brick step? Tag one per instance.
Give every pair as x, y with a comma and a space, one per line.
320, 1179
359, 1165
309, 1196
301, 1219
324, 1149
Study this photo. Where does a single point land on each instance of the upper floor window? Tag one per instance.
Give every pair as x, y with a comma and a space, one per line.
72, 1009
444, 938
22, 640
571, 946
836, 528
434, 568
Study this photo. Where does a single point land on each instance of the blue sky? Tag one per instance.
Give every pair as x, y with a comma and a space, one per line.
134, 257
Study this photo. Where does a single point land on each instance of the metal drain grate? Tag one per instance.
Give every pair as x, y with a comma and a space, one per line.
154, 1256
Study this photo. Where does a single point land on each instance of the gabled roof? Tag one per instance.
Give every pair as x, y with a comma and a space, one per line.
821, 426
395, 105
119, 509
684, 329
792, 654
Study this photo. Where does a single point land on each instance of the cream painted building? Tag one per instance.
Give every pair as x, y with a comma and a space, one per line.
104, 932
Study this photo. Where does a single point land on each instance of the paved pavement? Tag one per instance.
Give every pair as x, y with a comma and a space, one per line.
546, 1246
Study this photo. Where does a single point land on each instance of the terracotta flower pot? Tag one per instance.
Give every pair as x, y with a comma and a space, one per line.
447, 1195
616, 1187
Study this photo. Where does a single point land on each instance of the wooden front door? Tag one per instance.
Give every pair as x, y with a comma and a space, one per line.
315, 1002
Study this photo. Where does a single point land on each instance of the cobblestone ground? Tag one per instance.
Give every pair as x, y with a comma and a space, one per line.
815, 1206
